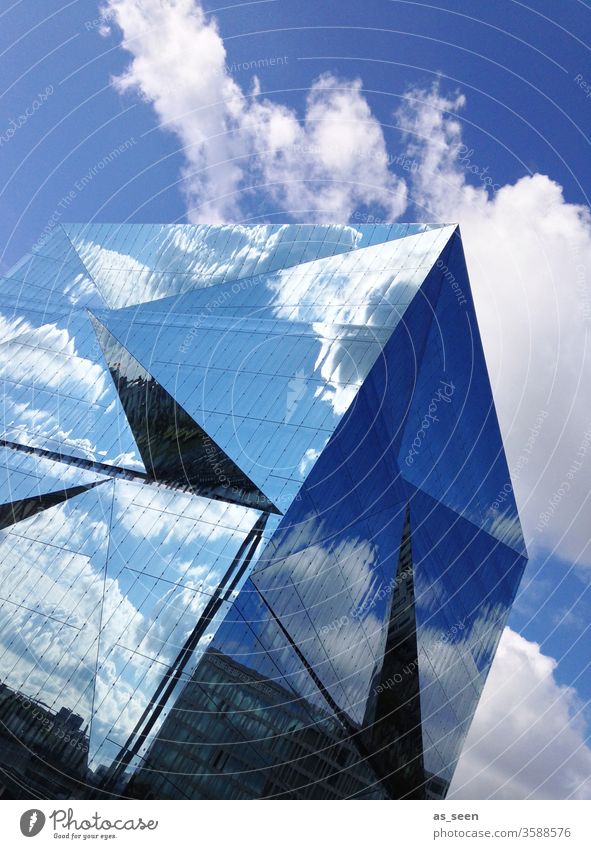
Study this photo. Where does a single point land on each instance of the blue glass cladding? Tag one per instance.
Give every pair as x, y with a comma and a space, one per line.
341, 369
268, 366
251, 723
465, 581
328, 573
452, 447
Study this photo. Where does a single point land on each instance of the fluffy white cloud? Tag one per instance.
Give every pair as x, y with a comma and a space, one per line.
527, 250
322, 168
528, 735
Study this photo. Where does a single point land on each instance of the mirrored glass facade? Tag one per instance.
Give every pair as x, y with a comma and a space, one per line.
257, 537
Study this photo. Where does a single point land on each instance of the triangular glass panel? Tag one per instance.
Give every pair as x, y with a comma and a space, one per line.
393, 716
58, 394
139, 263
173, 447
25, 474
24, 508
54, 278
51, 596
452, 446
269, 369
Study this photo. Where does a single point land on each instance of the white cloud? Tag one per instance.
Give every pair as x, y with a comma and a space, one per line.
528, 735
527, 250
322, 168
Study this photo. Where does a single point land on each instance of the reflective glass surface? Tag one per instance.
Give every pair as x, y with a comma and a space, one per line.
249, 541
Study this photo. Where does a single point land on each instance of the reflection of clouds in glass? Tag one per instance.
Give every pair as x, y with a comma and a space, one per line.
54, 565
338, 365
342, 296
450, 664
174, 259
144, 511
12, 325
52, 580
56, 394
316, 593
308, 460
506, 527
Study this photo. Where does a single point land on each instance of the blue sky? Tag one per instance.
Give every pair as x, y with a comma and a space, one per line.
511, 101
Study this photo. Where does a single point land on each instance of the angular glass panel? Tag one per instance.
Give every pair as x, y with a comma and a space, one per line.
251, 724
58, 394
268, 367
25, 475
51, 592
170, 554
23, 508
465, 581
138, 263
154, 609
54, 277
173, 447
452, 446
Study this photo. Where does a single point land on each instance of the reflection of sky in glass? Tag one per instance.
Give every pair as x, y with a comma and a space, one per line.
265, 336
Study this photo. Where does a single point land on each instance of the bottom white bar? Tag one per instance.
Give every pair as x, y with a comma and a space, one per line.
296, 824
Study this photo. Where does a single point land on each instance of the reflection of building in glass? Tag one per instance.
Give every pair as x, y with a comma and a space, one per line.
249, 526
41, 752
205, 748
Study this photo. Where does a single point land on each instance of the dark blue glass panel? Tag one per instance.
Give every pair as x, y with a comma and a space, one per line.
452, 447
465, 581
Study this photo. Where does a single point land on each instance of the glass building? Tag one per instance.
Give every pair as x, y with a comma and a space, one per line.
257, 531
